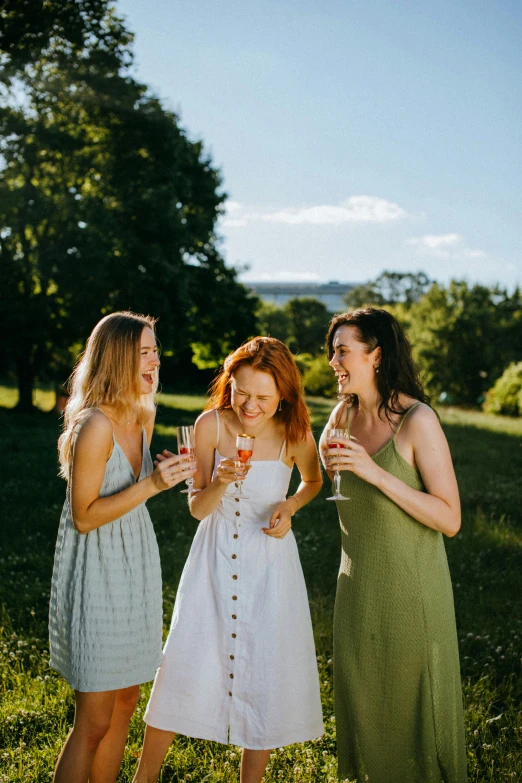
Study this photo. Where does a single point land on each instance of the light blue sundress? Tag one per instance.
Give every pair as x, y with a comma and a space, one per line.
105, 616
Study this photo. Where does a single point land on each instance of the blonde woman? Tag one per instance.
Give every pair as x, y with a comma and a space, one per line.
106, 609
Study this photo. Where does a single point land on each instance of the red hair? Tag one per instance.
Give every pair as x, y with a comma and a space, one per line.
266, 354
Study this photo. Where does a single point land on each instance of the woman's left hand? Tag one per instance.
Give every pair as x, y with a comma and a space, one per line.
355, 458
281, 520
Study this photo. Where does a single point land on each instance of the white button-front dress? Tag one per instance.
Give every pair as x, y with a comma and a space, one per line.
239, 664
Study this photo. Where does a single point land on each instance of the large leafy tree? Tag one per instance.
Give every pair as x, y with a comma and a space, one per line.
29, 27
105, 204
464, 336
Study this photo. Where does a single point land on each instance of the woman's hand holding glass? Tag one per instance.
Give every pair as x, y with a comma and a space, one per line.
227, 471
337, 441
343, 453
171, 469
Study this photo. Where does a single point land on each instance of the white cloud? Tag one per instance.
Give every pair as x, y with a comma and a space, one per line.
434, 241
445, 246
356, 209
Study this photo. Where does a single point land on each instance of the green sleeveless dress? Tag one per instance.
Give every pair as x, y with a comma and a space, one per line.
398, 699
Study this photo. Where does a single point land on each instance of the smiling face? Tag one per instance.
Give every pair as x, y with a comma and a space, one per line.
149, 361
254, 396
353, 366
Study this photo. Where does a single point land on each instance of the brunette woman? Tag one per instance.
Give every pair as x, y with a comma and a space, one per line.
398, 700
106, 605
239, 665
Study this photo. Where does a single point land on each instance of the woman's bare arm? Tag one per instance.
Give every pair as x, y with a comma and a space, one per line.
92, 449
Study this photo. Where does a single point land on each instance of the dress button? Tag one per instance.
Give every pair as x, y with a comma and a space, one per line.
234, 557
234, 616
230, 693
234, 597
238, 513
234, 576
236, 535
234, 635
237, 500
231, 676
231, 657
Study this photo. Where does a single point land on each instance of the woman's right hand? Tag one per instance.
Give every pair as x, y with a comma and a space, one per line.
171, 469
227, 471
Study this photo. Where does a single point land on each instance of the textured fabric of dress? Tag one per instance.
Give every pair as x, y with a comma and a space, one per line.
239, 664
398, 700
105, 619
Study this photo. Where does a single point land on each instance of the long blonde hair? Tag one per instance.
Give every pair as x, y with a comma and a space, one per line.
107, 373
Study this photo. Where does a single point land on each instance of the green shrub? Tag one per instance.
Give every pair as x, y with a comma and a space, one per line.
318, 378
505, 397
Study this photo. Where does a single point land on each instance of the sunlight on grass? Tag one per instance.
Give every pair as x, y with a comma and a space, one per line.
45, 399
36, 705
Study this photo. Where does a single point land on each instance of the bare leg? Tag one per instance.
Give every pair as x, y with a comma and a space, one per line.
107, 761
92, 719
253, 765
155, 746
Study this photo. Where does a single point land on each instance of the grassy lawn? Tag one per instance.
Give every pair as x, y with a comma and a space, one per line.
36, 706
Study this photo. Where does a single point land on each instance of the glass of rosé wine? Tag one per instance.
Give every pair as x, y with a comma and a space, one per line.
245, 447
187, 450
333, 437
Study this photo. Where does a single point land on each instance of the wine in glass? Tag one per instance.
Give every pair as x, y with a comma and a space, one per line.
245, 447
333, 442
187, 450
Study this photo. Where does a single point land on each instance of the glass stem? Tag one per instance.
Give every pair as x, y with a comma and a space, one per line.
337, 482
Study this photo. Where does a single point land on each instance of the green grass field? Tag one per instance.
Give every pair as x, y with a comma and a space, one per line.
36, 706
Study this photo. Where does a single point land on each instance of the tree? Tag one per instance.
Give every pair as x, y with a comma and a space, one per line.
29, 26
308, 321
463, 337
388, 289
301, 323
105, 204
272, 320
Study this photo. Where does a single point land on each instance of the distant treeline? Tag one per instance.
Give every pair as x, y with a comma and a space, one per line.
464, 336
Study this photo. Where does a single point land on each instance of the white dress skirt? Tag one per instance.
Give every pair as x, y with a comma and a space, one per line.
239, 664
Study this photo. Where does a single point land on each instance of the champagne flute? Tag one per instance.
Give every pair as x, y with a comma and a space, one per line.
245, 447
332, 440
187, 450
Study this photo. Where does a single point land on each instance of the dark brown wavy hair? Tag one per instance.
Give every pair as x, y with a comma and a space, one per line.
267, 354
398, 373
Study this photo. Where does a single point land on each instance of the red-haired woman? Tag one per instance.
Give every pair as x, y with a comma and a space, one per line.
239, 665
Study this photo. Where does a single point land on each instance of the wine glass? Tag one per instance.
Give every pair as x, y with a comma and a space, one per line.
332, 441
187, 450
245, 447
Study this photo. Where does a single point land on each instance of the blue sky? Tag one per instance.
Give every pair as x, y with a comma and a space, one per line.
352, 137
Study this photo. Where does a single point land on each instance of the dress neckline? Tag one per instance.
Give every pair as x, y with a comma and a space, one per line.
127, 460
391, 440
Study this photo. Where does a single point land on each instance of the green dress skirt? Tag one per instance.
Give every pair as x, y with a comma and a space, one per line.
398, 699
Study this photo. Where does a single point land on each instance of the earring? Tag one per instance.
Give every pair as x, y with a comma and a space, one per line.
376, 367
280, 405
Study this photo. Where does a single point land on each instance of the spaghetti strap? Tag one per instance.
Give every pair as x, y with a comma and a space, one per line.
415, 405
283, 447
218, 430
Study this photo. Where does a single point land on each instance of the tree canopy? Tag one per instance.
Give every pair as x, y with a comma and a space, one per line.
105, 204
389, 288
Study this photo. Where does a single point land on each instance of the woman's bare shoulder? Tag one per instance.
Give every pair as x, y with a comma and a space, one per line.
420, 418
